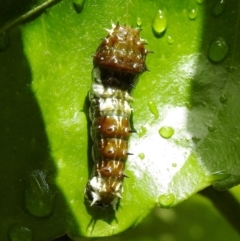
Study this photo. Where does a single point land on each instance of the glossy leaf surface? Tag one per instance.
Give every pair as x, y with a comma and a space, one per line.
186, 113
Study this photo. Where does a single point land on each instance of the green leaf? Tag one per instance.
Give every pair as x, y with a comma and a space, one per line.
191, 91
194, 219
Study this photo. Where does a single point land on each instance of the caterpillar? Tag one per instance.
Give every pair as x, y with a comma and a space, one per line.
117, 63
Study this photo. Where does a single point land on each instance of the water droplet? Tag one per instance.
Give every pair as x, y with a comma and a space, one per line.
195, 139
153, 108
230, 69
141, 156
218, 176
78, 5
139, 22
200, 1
170, 40
211, 128
166, 200
218, 50
142, 131
38, 197
218, 8
18, 232
3, 41
223, 98
166, 132
174, 164
192, 14
159, 22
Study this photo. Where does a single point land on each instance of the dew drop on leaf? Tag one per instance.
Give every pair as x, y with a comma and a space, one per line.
153, 108
141, 155
218, 8
166, 132
200, 1
170, 40
218, 50
159, 23
78, 5
174, 164
139, 22
192, 14
211, 128
3, 41
218, 176
195, 139
166, 200
223, 98
142, 131
230, 68
19, 232
38, 196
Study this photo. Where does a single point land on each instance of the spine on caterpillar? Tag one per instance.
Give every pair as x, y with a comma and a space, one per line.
118, 61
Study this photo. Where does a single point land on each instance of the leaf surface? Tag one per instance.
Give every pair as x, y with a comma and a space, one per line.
192, 90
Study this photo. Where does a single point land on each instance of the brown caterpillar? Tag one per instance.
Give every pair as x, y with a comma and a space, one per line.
118, 62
